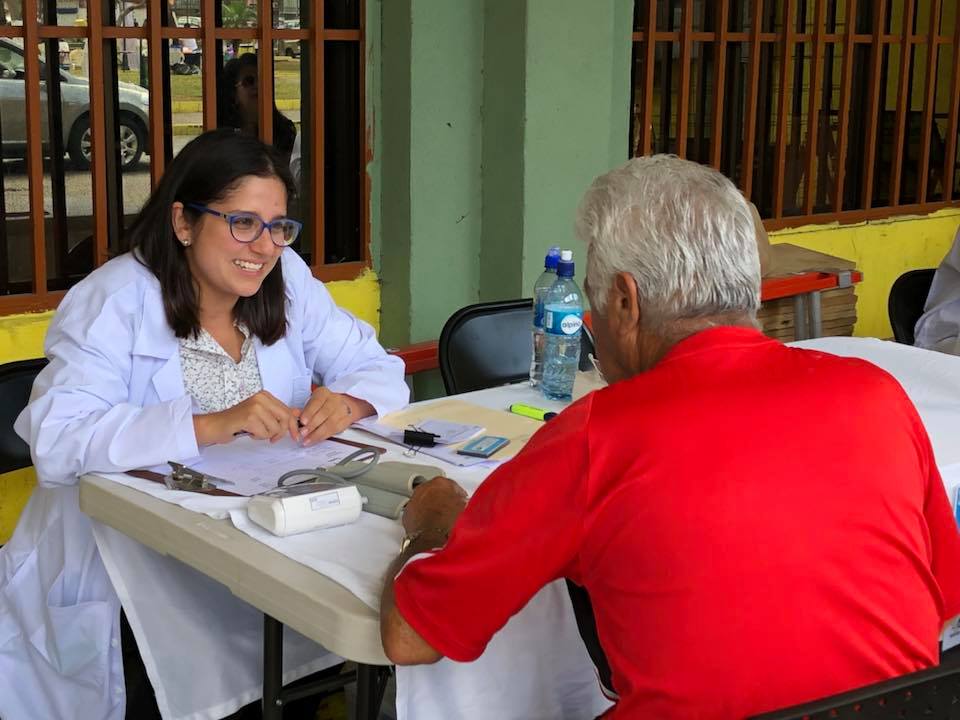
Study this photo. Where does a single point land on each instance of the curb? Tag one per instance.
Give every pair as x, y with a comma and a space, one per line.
188, 106
196, 128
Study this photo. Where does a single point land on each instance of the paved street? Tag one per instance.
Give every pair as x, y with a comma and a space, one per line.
136, 186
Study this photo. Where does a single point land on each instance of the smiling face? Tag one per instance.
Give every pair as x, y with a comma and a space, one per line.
223, 268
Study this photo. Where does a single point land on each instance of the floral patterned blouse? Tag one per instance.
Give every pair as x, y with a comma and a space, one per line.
212, 377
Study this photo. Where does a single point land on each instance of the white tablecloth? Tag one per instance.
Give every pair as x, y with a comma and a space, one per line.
186, 622
536, 667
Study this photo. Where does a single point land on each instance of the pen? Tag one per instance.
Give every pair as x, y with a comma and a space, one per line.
531, 412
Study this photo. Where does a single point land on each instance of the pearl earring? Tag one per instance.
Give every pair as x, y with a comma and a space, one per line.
185, 242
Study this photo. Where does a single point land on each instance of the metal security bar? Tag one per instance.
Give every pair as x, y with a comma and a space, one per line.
324, 38
819, 110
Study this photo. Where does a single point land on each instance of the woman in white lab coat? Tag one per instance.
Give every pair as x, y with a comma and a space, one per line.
939, 326
209, 328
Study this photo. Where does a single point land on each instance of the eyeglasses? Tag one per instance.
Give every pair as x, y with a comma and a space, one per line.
247, 226
596, 366
247, 81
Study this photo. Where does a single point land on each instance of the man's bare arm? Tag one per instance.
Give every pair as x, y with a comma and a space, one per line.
427, 519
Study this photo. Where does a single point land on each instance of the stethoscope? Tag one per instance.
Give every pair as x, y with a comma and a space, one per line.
365, 460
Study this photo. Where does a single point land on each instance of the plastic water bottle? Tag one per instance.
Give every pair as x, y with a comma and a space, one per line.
562, 320
540, 287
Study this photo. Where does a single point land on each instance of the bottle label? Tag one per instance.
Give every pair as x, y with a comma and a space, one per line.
560, 322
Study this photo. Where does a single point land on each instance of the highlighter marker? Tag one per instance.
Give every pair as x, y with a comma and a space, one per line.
532, 412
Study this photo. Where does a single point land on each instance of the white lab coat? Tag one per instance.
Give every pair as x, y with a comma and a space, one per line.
939, 326
113, 399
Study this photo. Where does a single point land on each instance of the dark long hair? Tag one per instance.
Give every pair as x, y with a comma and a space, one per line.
208, 169
228, 112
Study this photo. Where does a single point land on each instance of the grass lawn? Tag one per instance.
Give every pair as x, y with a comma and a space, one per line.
286, 81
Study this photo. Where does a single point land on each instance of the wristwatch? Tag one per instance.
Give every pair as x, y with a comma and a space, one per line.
410, 538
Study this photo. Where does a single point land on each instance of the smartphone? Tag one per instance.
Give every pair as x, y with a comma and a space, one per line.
484, 446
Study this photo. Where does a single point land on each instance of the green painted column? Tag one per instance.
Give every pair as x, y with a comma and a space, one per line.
390, 177
493, 117
577, 115
504, 132
430, 175
556, 115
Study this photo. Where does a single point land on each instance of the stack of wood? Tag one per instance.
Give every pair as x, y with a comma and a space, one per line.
838, 307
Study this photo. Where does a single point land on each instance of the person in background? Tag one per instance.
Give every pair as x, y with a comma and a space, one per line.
296, 163
238, 92
735, 564
209, 328
939, 326
191, 51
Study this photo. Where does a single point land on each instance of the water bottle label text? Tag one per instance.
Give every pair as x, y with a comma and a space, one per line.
562, 323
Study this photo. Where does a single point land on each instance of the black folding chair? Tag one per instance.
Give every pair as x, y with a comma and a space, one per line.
932, 694
16, 380
905, 304
489, 344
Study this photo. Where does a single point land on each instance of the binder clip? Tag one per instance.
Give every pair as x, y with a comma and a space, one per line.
184, 478
419, 438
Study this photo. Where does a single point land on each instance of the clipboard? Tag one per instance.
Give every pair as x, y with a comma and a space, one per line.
359, 445
156, 477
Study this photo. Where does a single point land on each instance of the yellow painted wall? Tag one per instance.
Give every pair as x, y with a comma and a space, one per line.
21, 338
360, 296
883, 250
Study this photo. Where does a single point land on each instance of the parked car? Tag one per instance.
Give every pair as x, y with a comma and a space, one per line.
289, 48
75, 106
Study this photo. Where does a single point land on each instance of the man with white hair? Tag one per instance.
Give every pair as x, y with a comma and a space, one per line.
756, 525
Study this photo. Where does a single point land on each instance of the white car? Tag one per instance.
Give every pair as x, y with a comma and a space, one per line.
75, 106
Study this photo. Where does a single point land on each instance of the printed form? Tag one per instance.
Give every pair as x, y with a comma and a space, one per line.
248, 466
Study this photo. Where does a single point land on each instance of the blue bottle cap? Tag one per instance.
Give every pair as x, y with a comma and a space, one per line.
565, 266
552, 258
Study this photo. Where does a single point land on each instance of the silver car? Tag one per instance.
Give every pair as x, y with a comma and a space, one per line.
75, 103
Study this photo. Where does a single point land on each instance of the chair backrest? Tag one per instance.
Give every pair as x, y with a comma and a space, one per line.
16, 380
489, 344
905, 304
933, 693
587, 627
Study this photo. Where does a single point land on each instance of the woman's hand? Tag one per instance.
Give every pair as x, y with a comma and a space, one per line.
327, 413
260, 415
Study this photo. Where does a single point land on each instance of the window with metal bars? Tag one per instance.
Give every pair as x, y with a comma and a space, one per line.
819, 110
97, 96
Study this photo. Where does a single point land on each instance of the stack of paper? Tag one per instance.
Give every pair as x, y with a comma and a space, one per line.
517, 429
248, 466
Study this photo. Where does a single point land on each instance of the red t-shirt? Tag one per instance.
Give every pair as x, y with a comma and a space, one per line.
756, 525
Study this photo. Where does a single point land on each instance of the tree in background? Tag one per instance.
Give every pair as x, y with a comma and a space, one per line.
238, 14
